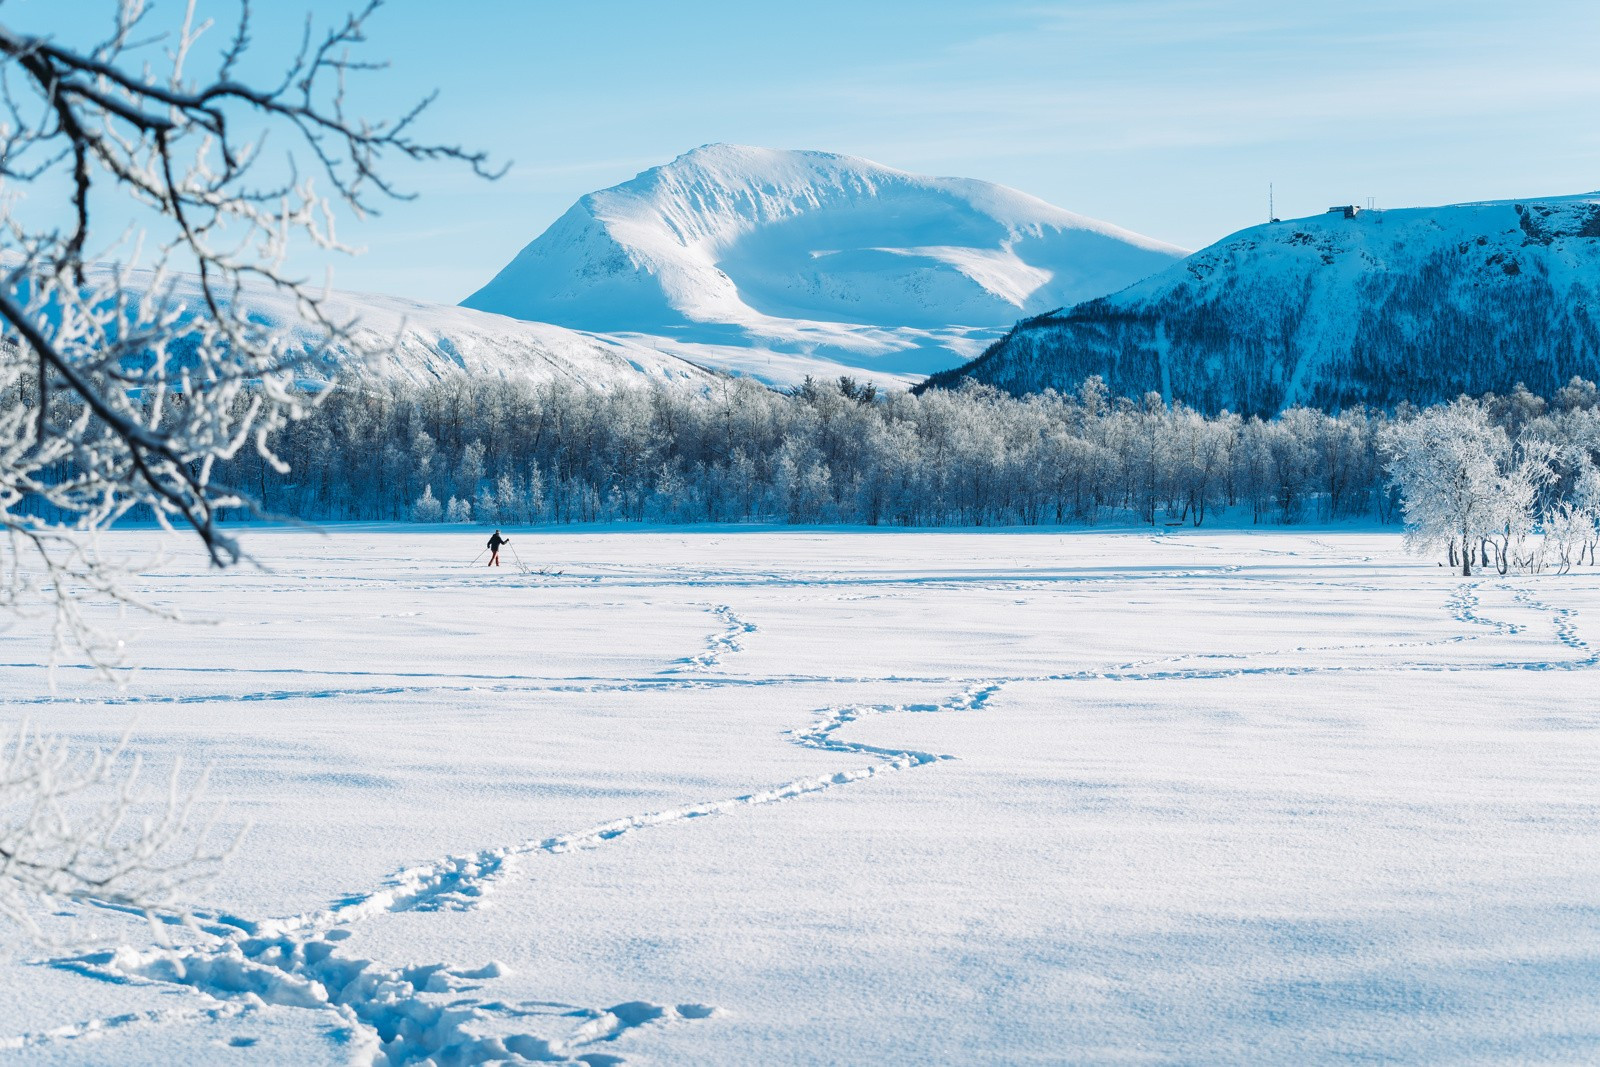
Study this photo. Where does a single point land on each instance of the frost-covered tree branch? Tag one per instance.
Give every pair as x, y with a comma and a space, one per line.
78, 824
160, 198
148, 187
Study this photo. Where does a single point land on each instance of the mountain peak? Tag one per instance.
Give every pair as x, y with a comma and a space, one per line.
813, 253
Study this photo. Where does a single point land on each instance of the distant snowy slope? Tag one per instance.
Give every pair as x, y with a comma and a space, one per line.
419, 342
772, 261
1419, 304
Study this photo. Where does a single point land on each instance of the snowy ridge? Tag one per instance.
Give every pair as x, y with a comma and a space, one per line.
1419, 304
418, 343
775, 261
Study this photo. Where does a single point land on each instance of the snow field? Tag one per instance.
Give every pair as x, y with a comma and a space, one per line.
794, 797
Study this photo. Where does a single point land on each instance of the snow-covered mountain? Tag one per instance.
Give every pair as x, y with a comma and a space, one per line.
779, 264
420, 342
1376, 306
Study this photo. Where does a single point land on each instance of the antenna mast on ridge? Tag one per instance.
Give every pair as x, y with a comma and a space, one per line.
1272, 213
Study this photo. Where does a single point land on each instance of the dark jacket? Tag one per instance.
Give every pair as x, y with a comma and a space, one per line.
496, 541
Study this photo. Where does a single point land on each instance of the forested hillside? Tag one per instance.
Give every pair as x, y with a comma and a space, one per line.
1417, 305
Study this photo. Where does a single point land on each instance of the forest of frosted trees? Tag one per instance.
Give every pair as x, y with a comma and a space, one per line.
512, 453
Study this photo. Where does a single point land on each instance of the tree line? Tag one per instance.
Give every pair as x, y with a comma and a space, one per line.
516, 453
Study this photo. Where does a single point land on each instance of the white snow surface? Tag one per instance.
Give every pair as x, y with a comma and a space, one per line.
781, 263
784, 797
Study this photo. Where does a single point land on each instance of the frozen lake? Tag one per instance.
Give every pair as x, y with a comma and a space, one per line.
850, 797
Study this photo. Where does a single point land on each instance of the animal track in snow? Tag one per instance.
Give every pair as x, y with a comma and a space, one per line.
1464, 605
1564, 622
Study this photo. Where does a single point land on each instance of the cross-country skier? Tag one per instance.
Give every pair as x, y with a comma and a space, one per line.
494, 549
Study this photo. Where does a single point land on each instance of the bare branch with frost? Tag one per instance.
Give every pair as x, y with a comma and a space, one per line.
79, 824
141, 205
125, 377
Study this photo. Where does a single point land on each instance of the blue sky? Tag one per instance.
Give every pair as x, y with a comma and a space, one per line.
1169, 117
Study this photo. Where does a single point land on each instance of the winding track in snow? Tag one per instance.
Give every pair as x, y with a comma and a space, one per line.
724, 642
400, 1015
403, 1015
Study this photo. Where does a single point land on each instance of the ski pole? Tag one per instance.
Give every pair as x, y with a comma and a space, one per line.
476, 558
523, 567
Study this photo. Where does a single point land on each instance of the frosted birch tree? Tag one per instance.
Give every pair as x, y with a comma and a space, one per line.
1450, 464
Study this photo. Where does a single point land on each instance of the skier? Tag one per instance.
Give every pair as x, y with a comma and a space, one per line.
494, 548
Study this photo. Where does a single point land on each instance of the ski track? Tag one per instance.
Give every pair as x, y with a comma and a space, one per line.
394, 1015
405, 1015
1098, 575
387, 1016
722, 643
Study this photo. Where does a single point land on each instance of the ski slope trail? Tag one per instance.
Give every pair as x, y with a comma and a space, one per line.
1045, 727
